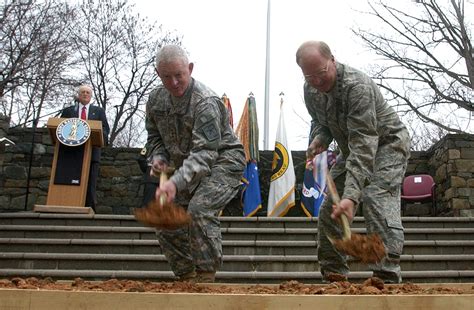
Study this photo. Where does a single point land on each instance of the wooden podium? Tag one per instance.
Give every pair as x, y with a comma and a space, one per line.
65, 198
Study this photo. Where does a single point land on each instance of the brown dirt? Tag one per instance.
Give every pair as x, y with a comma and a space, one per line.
369, 249
166, 216
372, 286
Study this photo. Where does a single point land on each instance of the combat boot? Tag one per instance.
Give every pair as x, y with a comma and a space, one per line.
388, 277
329, 277
205, 277
190, 276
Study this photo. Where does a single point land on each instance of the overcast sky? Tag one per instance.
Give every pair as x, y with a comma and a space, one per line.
226, 40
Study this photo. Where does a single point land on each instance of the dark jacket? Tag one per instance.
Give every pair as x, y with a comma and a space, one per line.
97, 114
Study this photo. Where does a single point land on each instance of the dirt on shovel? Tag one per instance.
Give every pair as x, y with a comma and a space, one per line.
161, 214
369, 249
167, 216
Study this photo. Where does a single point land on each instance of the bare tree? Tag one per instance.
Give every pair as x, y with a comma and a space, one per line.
427, 66
116, 48
128, 136
35, 51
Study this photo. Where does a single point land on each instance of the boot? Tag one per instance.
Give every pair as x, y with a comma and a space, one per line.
190, 276
329, 277
388, 277
205, 277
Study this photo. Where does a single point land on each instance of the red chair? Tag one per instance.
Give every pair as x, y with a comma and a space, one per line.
419, 188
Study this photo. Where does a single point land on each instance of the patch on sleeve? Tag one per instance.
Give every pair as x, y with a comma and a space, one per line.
210, 131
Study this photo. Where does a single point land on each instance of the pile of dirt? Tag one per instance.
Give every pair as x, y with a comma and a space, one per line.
372, 286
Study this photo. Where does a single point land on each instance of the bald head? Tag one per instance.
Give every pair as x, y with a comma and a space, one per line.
313, 49
317, 65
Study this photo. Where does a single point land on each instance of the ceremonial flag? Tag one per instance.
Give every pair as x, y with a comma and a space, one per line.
228, 106
247, 131
251, 197
314, 184
282, 182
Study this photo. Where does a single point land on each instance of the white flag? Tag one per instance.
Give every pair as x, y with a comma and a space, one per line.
282, 183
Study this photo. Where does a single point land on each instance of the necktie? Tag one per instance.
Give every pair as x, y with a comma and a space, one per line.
83, 113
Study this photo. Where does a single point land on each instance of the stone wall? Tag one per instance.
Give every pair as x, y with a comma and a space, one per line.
452, 165
4, 127
25, 172
25, 182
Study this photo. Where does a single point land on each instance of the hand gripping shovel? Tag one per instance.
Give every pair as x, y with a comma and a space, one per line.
369, 249
161, 214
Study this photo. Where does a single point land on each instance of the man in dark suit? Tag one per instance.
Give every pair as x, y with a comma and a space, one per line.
84, 110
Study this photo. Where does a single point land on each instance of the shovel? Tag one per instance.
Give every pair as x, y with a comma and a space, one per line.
346, 229
369, 249
161, 214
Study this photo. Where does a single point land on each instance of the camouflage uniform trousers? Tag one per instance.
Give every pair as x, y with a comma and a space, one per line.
198, 247
381, 209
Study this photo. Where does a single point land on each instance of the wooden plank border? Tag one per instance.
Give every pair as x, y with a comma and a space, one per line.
52, 300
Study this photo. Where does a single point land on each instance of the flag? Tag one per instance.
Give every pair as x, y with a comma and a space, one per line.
251, 198
228, 107
281, 196
247, 131
314, 184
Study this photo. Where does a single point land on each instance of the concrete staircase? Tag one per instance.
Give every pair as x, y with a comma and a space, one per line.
257, 250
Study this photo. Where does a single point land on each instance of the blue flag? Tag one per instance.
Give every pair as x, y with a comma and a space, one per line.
310, 197
251, 198
314, 183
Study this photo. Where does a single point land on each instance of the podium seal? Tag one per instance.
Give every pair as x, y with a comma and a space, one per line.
73, 131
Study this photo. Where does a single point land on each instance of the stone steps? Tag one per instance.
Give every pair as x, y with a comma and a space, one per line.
230, 247
256, 250
241, 263
229, 233
53, 219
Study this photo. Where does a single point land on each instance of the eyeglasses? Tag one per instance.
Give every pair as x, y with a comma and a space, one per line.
318, 75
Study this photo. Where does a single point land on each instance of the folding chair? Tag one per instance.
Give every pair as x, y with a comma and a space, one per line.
419, 188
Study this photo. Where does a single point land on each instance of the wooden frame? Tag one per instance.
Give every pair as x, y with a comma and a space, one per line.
50, 300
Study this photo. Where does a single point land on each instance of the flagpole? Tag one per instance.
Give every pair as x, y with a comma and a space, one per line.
267, 82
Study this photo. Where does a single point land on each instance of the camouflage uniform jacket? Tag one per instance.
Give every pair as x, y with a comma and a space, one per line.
193, 134
355, 114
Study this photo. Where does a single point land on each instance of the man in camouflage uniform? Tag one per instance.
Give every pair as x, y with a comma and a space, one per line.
347, 106
188, 130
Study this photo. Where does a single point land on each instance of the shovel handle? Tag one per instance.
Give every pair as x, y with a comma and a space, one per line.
337, 201
163, 179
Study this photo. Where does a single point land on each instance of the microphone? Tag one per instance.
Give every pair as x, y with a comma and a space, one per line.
75, 102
